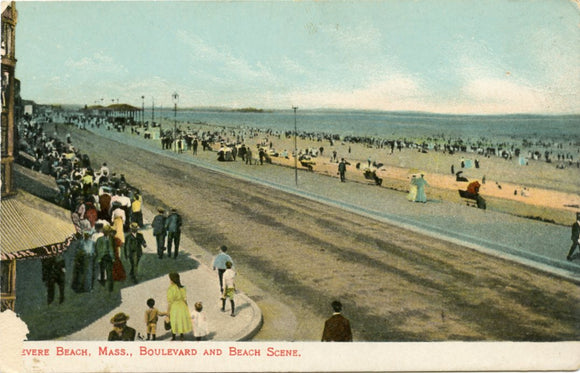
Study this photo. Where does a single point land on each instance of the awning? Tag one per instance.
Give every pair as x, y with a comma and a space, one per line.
33, 228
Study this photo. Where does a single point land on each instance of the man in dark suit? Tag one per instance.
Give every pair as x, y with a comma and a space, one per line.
121, 332
575, 236
337, 328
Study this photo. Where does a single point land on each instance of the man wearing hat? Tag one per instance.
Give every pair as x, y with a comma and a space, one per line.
337, 327
133, 249
158, 225
105, 255
575, 236
173, 227
121, 332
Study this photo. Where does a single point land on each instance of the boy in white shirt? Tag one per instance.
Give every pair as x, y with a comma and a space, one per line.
229, 288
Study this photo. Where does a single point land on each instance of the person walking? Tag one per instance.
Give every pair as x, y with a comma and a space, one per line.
219, 263
199, 322
53, 272
229, 289
421, 183
159, 231
342, 169
151, 317
133, 249
337, 327
173, 227
136, 209
575, 237
412, 195
105, 250
177, 307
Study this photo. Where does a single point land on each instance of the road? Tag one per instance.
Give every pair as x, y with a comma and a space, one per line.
400, 274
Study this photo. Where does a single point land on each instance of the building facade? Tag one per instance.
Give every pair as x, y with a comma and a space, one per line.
9, 19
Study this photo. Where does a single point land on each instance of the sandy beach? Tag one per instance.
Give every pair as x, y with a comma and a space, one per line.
295, 255
537, 190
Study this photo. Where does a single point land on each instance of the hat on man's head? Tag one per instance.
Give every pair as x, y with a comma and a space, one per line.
134, 226
120, 318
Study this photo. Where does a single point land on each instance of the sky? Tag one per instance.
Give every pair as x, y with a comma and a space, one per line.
441, 56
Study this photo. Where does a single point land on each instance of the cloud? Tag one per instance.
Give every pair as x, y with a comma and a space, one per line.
396, 92
221, 63
96, 64
493, 85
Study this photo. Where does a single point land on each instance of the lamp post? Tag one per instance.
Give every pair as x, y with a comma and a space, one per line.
175, 98
295, 148
142, 110
153, 112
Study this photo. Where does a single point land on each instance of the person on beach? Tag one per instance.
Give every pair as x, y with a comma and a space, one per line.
412, 195
229, 288
158, 225
421, 183
173, 228
248, 155
575, 237
177, 307
219, 263
199, 322
337, 327
121, 332
151, 317
133, 249
342, 169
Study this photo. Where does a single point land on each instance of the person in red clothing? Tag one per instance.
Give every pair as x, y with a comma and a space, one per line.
473, 187
337, 328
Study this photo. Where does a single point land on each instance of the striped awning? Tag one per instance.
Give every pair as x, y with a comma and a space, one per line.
32, 228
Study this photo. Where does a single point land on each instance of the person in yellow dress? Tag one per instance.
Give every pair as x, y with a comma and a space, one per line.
178, 310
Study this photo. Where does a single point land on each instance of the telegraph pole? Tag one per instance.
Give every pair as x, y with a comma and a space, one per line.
295, 147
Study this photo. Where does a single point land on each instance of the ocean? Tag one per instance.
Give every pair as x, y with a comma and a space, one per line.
561, 128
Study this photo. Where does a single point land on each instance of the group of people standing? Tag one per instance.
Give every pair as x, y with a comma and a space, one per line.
417, 189
105, 210
167, 232
178, 318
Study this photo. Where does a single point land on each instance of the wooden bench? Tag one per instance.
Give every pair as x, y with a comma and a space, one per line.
309, 164
470, 199
372, 175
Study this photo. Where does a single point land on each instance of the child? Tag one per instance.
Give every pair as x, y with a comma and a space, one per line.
229, 288
151, 317
200, 329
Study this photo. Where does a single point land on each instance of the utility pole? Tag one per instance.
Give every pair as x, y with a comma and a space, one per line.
295, 147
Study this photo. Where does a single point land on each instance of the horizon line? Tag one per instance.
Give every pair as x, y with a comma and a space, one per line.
268, 110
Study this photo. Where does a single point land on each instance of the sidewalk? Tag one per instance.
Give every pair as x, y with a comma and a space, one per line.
201, 284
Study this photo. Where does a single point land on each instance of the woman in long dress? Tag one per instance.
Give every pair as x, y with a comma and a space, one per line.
119, 273
177, 307
421, 183
412, 190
